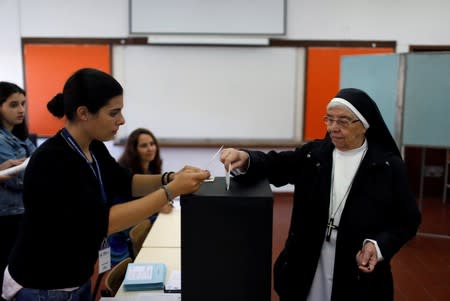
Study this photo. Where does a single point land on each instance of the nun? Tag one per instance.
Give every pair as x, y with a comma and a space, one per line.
353, 206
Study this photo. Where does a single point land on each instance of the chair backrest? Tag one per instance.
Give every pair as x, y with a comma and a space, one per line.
114, 278
138, 234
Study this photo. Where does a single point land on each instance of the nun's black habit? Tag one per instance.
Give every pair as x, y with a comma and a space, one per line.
379, 206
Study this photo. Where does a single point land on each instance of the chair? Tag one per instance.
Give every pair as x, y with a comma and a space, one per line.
138, 234
114, 278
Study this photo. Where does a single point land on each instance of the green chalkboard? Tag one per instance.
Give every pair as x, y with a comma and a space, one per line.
377, 75
411, 90
427, 100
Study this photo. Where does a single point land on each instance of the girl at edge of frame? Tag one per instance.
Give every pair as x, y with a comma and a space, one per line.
15, 147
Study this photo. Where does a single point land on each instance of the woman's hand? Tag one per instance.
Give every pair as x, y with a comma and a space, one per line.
166, 209
187, 180
186, 168
11, 162
234, 158
7, 164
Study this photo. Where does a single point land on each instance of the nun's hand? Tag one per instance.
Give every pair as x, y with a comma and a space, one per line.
231, 157
367, 258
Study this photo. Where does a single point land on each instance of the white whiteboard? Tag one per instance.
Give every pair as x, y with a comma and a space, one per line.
212, 93
208, 16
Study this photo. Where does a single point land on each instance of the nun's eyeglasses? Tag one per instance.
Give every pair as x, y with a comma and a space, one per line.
341, 122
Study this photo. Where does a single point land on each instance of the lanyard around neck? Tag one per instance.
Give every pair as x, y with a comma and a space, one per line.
76, 147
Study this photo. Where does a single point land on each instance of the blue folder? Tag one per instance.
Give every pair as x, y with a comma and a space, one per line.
145, 276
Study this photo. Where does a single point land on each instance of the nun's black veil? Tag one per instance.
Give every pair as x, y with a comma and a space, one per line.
377, 133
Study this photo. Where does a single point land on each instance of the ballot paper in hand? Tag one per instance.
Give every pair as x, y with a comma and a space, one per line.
144, 276
213, 157
15, 169
211, 178
227, 177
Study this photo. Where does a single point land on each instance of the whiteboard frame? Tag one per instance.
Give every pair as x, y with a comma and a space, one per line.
263, 20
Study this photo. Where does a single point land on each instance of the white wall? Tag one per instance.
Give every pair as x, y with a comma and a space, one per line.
405, 21
10, 45
74, 18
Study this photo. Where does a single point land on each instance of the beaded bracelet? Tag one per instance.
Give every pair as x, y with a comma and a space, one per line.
168, 176
164, 178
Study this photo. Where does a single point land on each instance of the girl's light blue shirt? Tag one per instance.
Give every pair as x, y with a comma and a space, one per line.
11, 191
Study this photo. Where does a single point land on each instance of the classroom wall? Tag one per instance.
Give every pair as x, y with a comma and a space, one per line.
405, 21
10, 45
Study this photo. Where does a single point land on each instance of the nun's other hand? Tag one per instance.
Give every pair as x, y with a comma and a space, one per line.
367, 258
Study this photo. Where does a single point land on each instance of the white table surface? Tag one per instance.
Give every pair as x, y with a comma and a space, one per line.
166, 231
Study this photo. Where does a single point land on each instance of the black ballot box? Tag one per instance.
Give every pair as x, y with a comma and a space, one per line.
226, 242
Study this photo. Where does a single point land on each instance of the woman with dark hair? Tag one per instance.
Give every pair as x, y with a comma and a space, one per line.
69, 186
140, 156
141, 152
15, 147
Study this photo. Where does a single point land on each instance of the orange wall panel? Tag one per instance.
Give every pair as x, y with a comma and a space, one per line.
322, 83
47, 67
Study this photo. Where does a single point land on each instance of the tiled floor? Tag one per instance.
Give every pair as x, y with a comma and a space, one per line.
421, 268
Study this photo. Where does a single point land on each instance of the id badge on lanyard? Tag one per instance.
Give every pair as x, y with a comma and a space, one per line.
104, 257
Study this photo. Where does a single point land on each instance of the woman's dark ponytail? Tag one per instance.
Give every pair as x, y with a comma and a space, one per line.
56, 105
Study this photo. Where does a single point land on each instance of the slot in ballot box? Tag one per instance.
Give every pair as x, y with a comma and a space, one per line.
226, 242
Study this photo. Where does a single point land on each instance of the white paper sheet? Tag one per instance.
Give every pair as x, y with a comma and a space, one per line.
15, 169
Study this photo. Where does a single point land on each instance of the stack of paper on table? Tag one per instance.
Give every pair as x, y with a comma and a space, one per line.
144, 276
173, 285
